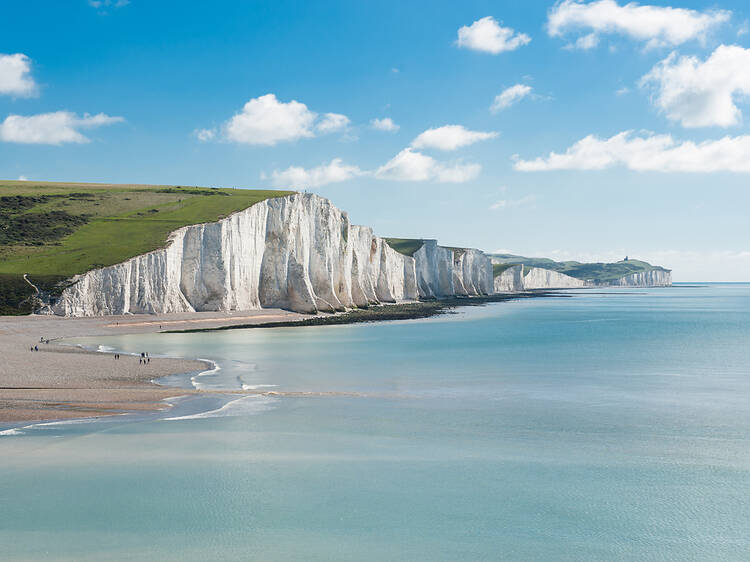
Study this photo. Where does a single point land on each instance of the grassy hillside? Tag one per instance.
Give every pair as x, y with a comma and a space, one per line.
52, 231
595, 272
405, 246
498, 268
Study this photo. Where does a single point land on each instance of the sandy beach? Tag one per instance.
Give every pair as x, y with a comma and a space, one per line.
63, 381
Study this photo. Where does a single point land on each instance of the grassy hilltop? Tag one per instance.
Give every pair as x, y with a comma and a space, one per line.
600, 273
52, 231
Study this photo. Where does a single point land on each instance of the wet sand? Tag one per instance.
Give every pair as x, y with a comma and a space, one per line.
63, 382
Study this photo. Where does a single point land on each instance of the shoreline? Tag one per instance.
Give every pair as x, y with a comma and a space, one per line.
417, 310
62, 381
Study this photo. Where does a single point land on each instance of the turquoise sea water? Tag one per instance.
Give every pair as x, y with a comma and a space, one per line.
608, 426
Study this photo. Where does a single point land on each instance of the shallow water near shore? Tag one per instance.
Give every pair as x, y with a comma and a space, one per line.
611, 425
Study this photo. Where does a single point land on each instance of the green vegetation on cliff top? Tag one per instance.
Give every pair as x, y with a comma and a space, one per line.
498, 268
594, 272
53, 231
405, 246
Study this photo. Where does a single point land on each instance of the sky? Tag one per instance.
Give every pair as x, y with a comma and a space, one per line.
585, 130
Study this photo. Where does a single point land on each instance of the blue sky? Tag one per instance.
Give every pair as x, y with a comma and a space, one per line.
642, 106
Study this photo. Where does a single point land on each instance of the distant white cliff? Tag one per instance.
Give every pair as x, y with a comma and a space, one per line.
538, 278
522, 278
653, 278
510, 280
297, 252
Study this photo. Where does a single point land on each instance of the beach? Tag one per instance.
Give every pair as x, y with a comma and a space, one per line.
62, 381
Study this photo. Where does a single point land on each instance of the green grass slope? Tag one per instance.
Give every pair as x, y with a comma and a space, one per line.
405, 246
53, 231
601, 273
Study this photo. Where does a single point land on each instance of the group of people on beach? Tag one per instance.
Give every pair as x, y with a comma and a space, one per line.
144, 359
36, 347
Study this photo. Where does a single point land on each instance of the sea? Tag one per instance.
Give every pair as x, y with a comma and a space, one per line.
605, 424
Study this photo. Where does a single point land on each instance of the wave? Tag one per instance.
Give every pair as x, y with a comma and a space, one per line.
194, 380
245, 406
258, 386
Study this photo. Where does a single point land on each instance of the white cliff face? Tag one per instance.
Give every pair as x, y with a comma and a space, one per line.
510, 280
297, 252
538, 278
653, 278
443, 272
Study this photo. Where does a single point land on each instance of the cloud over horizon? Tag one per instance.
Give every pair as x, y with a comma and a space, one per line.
647, 153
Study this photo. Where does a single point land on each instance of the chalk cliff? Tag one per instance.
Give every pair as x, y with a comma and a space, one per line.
297, 252
510, 280
538, 278
653, 278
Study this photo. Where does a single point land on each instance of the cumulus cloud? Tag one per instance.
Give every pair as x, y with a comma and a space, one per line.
510, 96
385, 124
450, 137
488, 36
647, 153
701, 94
15, 76
332, 122
267, 121
55, 128
655, 25
298, 177
411, 165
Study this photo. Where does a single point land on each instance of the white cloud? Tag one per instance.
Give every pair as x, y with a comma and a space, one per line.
23, 178
585, 42
385, 124
701, 94
510, 96
410, 165
655, 25
623, 91
488, 36
509, 203
647, 152
332, 122
450, 137
15, 76
298, 177
267, 121
55, 128
205, 135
